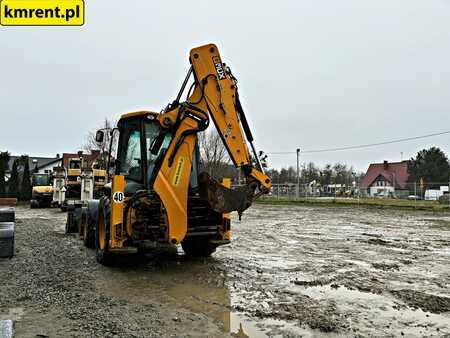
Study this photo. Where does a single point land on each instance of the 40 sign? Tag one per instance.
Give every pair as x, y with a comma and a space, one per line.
118, 197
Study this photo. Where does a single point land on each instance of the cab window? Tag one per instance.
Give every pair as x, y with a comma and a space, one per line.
152, 134
130, 161
74, 164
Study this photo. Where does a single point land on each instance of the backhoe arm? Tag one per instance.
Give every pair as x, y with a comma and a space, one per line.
214, 94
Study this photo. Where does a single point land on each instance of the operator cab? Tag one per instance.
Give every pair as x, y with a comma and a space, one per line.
41, 180
74, 163
142, 145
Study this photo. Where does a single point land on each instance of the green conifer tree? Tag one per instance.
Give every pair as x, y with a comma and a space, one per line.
25, 187
13, 183
4, 159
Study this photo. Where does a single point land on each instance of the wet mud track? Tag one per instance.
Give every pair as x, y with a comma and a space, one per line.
290, 271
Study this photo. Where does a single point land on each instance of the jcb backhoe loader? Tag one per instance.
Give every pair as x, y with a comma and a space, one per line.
157, 195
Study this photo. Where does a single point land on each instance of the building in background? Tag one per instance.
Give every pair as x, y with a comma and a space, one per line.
45, 165
386, 180
41, 165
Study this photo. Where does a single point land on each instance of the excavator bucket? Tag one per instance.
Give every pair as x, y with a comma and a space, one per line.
225, 200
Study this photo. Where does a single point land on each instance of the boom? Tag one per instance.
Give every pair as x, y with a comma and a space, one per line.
214, 94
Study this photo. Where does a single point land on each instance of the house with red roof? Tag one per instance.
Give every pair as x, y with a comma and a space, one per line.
386, 179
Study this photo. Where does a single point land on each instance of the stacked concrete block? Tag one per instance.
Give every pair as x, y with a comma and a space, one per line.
7, 219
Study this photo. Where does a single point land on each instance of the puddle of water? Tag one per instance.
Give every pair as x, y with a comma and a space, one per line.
412, 322
241, 326
186, 285
444, 252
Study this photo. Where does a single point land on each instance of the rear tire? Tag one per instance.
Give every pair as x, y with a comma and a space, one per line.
198, 247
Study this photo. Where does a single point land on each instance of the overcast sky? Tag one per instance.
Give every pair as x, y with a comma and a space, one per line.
312, 74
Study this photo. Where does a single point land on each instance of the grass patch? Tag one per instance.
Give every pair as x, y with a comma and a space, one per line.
362, 202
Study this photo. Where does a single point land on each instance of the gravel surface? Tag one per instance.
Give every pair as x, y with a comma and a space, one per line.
290, 271
50, 288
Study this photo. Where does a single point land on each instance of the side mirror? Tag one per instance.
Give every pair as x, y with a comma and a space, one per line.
99, 136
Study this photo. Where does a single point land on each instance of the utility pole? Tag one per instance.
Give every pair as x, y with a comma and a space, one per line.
298, 173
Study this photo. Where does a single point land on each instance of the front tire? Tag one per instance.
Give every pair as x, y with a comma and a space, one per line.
88, 233
104, 257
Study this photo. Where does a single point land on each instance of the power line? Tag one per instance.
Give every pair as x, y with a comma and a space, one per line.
360, 146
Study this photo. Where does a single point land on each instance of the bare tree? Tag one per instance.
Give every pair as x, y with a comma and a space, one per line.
214, 158
103, 147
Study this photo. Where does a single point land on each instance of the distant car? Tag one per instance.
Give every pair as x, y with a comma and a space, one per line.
384, 194
414, 197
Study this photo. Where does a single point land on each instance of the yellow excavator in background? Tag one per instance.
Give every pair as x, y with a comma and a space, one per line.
42, 190
73, 180
99, 178
157, 195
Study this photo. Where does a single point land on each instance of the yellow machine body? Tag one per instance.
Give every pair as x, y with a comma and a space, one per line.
163, 208
117, 202
99, 177
43, 189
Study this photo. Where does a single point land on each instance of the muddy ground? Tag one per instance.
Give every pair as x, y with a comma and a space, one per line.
290, 271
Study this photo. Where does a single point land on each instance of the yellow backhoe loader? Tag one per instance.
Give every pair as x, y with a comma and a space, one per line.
157, 195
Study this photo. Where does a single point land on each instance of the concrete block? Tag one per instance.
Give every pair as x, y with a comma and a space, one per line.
7, 215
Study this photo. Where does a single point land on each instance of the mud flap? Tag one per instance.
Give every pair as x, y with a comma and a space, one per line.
225, 200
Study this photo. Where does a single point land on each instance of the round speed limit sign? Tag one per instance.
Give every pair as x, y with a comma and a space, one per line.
118, 197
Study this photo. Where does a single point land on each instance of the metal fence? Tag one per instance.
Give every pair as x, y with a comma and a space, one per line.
431, 191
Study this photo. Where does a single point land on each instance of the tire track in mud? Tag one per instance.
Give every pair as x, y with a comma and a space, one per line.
342, 270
